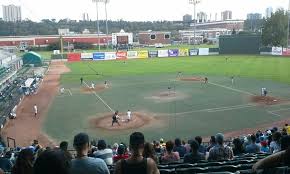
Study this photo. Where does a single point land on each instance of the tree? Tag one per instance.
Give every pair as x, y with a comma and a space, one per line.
274, 32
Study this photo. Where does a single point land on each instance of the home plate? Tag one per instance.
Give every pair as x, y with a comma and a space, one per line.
275, 100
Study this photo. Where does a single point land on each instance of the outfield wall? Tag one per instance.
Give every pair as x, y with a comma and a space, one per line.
143, 54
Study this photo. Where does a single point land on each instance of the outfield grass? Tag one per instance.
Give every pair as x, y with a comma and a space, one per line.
260, 67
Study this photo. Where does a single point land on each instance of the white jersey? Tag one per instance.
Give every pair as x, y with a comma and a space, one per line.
35, 109
129, 115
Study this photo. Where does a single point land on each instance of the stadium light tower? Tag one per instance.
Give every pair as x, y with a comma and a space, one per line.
107, 29
288, 28
98, 23
194, 3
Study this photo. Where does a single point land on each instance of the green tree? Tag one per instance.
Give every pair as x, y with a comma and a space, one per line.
275, 29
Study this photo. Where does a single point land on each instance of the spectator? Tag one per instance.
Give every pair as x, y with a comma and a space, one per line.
179, 148
5, 163
157, 147
212, 143
275, 145
55, 162
264, 147
63, 146
275, 160
115, 148
285, 142
1, 171
201, 148
220, 151
287, 127
84, 164
104, 153
252, 147
195, 156
187, 146
121, 153
169, 155
24, 162
238, 148
136, 163
149, 152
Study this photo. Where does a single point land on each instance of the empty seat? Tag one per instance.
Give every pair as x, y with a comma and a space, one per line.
191, 170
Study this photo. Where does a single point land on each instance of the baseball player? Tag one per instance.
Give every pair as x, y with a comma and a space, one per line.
129, 115
35, 110
62, 90
115, 118
205, 80
106, 84
82, 80
233, 80
92, 86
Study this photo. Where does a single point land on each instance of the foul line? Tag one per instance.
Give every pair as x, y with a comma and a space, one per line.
100, 98
69, 91
270, 112
237, 90
219, 109
285, 109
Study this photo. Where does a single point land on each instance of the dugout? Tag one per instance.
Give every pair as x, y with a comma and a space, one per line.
240, 44
32, 58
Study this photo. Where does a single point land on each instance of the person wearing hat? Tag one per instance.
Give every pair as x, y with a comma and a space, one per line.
104, 153
83, 164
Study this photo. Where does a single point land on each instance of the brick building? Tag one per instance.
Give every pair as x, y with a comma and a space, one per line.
151, 38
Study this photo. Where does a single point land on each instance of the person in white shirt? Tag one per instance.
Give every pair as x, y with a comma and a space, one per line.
129, 115
35, 110
92, 86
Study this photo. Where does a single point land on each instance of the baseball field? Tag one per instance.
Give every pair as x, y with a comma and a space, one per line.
167, 96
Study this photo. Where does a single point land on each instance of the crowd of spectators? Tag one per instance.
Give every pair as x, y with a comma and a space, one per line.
144, 157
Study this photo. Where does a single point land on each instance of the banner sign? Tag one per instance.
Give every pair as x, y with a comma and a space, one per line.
162, 53
193, 52
98, 56
286, 52
277, 51
203, 51
121, 55
110, 56
153, 54
132, 54
142, 54
173, 53
183, 52
86, 55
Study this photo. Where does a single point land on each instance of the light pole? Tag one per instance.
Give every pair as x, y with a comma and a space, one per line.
98, 23
288, 22
194, 3
107, 29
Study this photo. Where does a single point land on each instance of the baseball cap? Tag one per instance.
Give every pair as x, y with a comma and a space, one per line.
81, 139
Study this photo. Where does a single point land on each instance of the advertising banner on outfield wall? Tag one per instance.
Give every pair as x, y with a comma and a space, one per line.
277, 51
73, 57
121, 55
286, 52
86, 55
183, 52
132, 54
173, 53
98, 56
153, 54
110, 56
193, 52
162, 53
142, 54
203, 51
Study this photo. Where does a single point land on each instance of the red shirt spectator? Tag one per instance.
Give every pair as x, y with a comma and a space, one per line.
121, 153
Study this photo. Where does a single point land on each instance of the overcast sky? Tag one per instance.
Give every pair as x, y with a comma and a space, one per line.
138, 10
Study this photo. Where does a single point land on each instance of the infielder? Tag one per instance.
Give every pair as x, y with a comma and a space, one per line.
115, 118
35, 110
129, 115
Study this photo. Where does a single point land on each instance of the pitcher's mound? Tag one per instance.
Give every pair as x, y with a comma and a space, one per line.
167, 96
138, 120
266, 100
192, 79
98, 88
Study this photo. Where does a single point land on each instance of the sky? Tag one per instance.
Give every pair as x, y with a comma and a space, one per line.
138, 10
